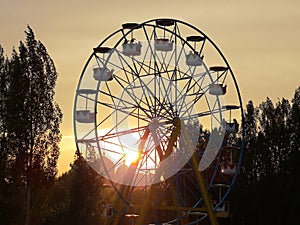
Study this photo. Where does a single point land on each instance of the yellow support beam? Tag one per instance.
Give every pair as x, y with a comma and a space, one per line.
201, 181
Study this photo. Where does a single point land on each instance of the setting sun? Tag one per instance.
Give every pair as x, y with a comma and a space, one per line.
130, 157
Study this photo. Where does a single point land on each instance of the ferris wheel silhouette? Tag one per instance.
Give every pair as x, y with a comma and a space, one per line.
151, 116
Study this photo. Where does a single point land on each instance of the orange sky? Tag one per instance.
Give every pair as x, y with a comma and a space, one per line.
260, 39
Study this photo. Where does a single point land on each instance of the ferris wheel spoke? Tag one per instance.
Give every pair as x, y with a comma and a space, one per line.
141, 84
133, 87
189, 86
143, 67
184, 106
126, 111
187, 107
100, 61
163, 90
105, 150
181, 94
202, 114
126, 73
216, 106
132, 96
149, 99
110, 94
93, 130
123, 101
198, 93
122, 67
154, 96
148, 50
191, 70
199, 83
125, 64
178, 57
110, 135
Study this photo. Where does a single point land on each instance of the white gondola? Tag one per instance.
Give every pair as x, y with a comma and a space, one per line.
163, 44
228, 169
132, 48
84, 116
102, 74
193, 59
217, 89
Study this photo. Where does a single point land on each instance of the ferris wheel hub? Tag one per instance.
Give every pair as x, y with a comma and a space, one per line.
154, 124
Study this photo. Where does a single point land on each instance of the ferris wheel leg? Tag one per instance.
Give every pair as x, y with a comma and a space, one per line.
201, 182
184, 219
206, 199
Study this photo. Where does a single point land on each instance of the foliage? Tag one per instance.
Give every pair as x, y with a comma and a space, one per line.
29, 133
76, 197
266, 190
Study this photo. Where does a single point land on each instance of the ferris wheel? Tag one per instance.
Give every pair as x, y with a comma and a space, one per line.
158, 114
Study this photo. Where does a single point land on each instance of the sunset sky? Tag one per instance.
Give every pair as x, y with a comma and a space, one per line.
259, 38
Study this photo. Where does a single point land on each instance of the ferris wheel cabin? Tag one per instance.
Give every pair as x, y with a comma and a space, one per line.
217, 89
132, 47
85, 115
163, 44
228, 169
103, 74
229, 159
231, 126
194, 58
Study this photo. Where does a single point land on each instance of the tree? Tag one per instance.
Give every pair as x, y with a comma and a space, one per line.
3, 92
273, 198
77, 197
295, 122
248, 171
5, 210
85, 194
274, 121
32, 126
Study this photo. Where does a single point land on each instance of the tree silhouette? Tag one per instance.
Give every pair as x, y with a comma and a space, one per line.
31, 120
267, 190
77, 197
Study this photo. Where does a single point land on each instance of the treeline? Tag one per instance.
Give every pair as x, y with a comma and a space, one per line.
267, 188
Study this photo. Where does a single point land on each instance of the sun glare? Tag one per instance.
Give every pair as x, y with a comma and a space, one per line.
130, 157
